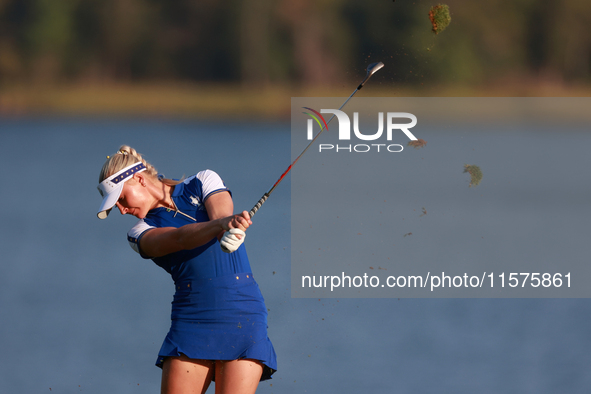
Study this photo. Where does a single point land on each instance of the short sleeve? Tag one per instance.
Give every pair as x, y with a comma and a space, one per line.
211, 183
135, 234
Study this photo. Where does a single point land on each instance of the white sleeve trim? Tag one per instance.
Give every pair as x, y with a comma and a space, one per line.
136, 232
211, 183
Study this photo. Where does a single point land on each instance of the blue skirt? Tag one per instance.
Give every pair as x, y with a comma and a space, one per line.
222, 318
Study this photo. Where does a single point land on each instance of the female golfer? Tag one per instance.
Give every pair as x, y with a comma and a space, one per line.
219, 319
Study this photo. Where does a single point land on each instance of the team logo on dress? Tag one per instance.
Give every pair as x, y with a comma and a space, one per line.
194, 200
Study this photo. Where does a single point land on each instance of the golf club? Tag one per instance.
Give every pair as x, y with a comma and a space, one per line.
371, 69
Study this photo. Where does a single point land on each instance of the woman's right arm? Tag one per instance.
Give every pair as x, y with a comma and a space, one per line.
159, 242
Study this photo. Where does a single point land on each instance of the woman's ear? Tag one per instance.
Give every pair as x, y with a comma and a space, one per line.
139, 178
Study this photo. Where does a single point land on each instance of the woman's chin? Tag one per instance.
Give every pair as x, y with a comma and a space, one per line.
137, 214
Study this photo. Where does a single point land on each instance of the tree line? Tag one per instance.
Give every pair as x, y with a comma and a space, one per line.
312, 42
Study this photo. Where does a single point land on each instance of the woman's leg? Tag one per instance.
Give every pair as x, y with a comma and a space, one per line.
237, 376
182, 375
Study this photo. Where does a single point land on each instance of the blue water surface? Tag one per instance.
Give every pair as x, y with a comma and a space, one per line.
82, 312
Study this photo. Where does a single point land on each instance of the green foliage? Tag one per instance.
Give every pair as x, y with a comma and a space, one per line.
475, 174
293, 42
51, 30
440, 17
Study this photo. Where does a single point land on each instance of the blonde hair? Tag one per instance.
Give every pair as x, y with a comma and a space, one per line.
127, 156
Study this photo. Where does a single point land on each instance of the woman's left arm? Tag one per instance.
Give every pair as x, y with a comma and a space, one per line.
220, 205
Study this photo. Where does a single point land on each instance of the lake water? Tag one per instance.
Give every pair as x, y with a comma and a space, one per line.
409, 214
81, 312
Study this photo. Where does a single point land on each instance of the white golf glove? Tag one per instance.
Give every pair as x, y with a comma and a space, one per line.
230, 242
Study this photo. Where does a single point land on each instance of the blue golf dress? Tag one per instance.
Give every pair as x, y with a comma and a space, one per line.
218, 311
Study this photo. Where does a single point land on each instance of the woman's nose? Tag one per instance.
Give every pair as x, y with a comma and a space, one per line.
122, 209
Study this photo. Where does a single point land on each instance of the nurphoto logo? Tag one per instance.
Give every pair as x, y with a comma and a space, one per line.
395, 121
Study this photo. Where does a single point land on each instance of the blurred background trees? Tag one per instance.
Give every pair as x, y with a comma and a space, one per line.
292, 42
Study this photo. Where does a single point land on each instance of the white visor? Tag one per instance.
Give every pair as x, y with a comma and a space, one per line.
111, 187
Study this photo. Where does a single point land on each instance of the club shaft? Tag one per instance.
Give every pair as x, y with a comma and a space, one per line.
322, 128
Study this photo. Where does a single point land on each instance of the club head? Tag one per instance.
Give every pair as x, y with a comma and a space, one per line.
371, 69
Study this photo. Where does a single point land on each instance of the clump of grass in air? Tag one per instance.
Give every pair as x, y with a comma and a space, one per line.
417, 143
440, 17
475, 174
